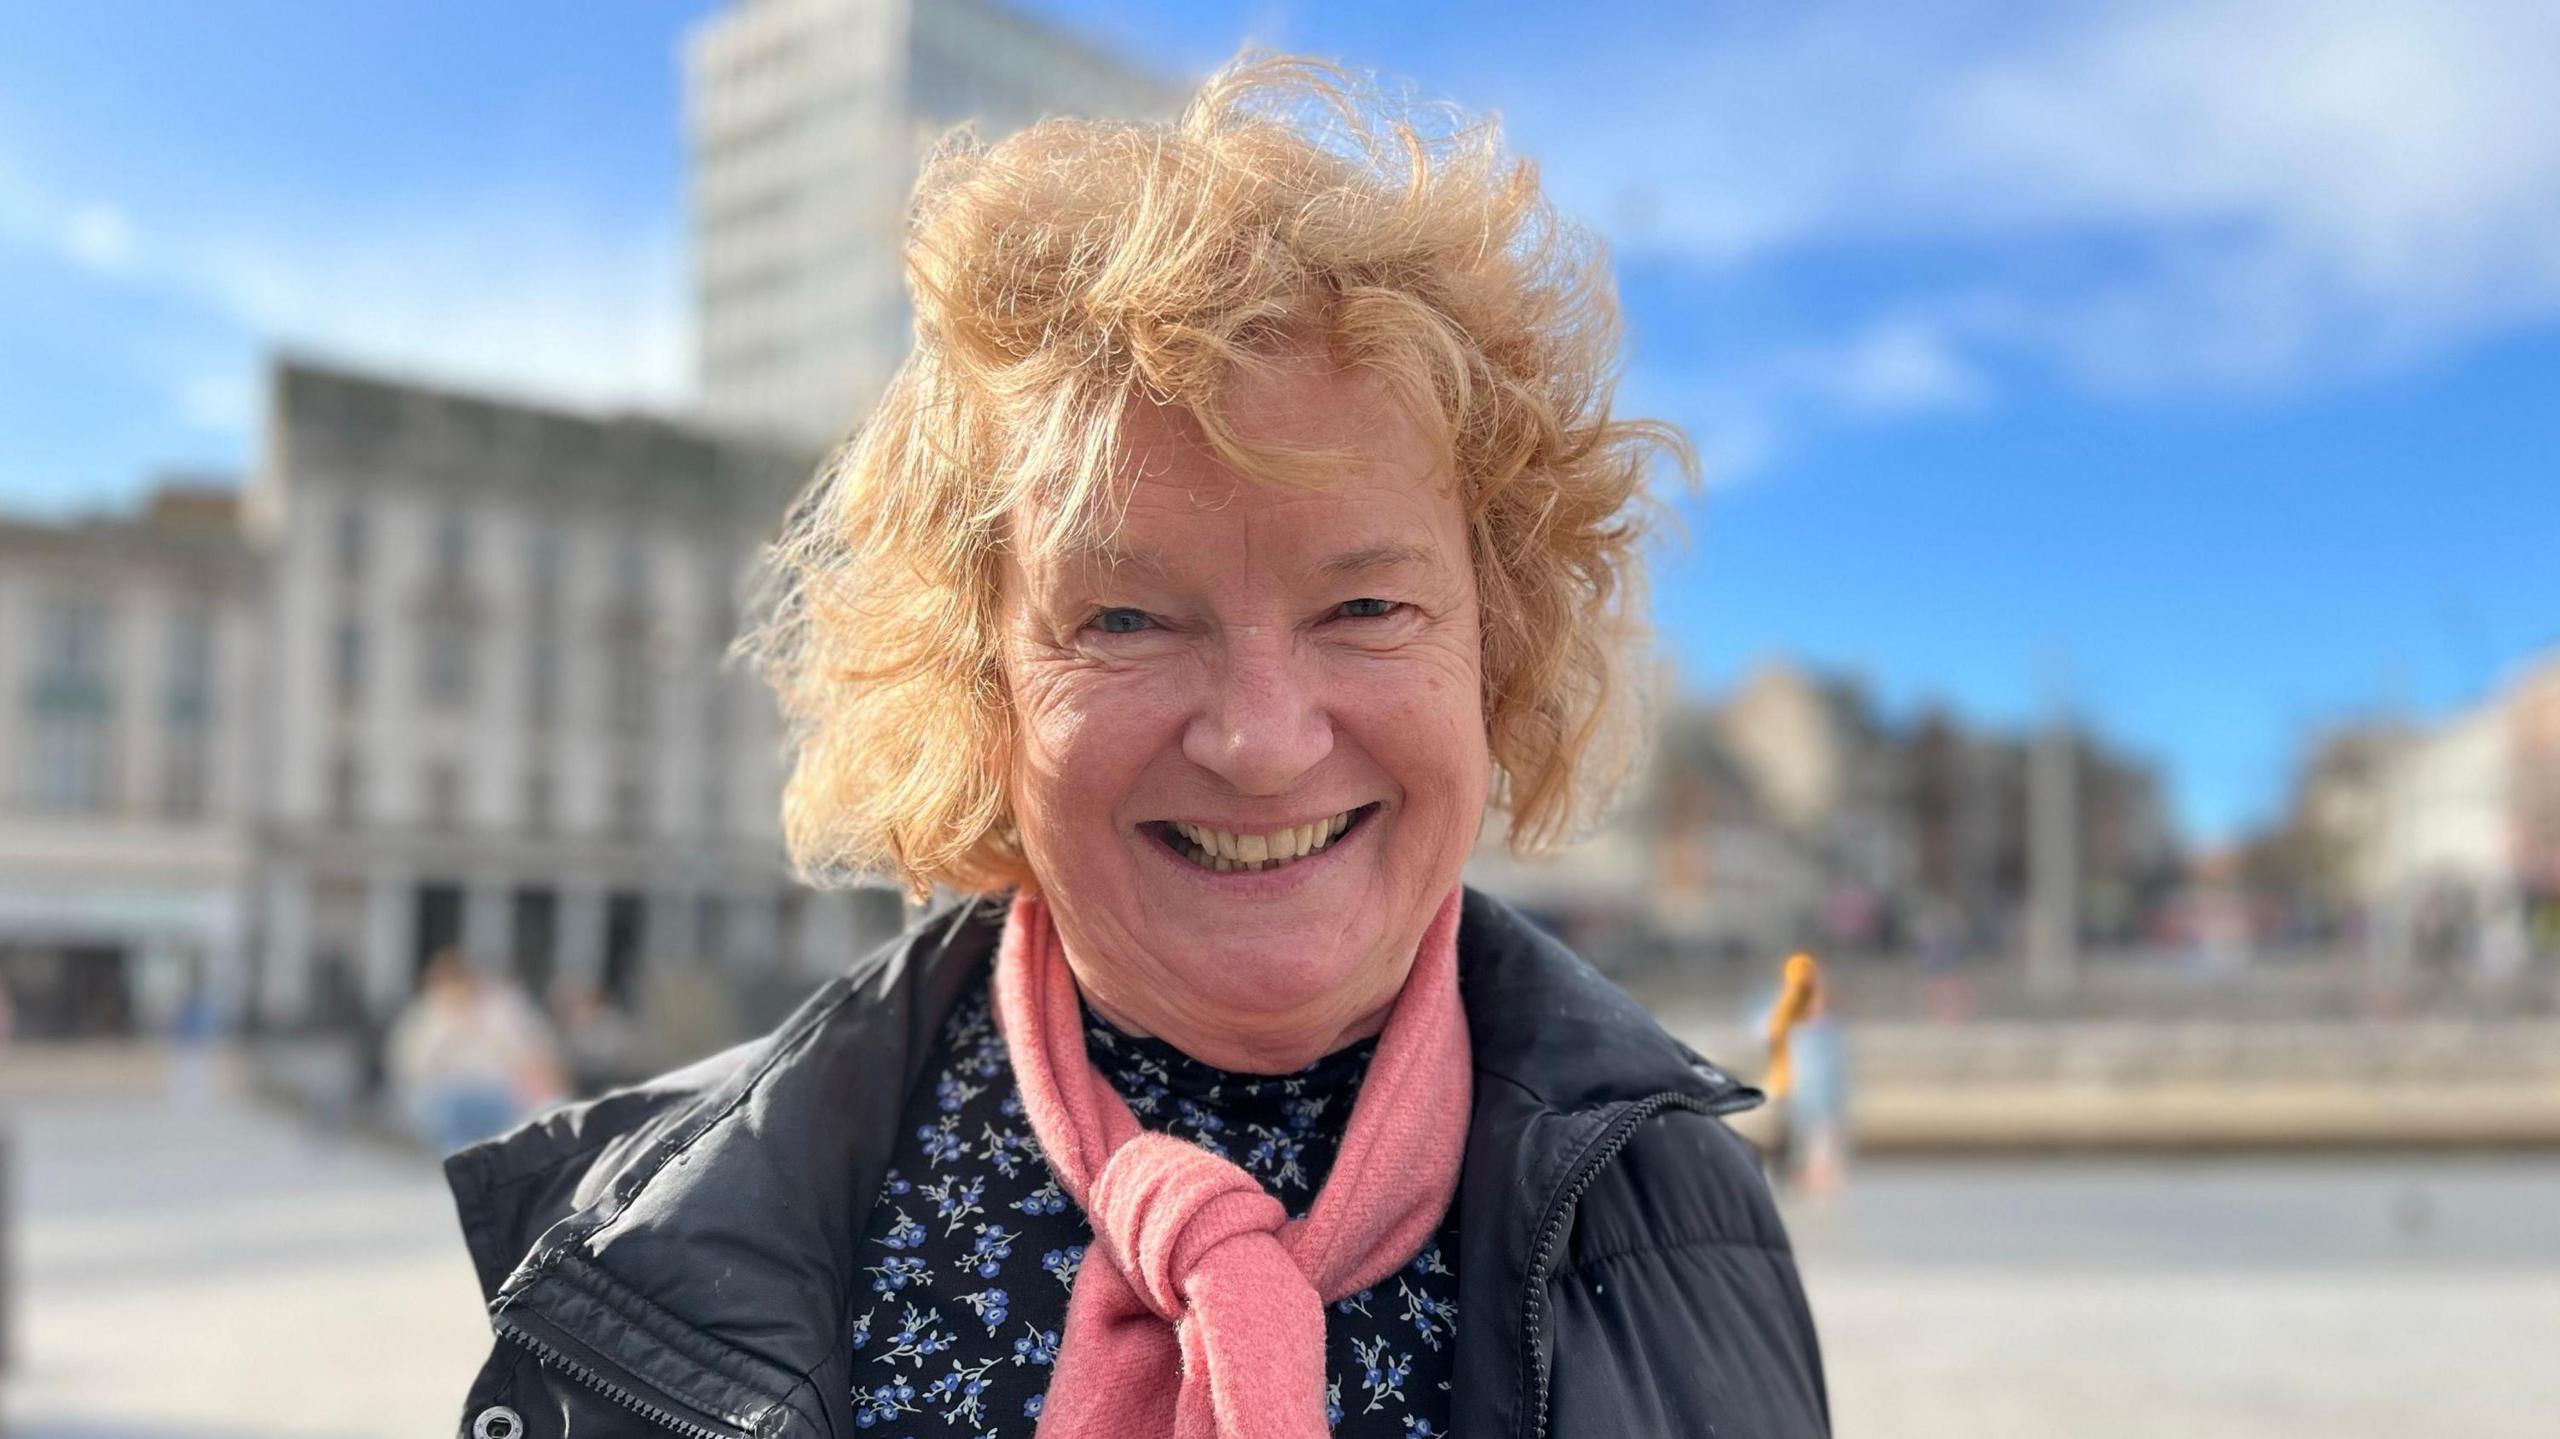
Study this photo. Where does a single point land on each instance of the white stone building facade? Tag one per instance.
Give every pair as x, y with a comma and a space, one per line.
2466, 857
128, 694
497, 703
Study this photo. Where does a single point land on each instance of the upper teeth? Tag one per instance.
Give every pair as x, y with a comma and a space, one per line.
1231, 850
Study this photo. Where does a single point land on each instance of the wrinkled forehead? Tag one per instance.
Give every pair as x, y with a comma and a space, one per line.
1296, 397
1317, 441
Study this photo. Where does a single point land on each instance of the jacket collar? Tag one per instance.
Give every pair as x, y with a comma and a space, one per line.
712, 1265
1561, 1057
707, 1264
1544, 1021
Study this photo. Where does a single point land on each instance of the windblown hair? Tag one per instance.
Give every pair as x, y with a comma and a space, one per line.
1078, 268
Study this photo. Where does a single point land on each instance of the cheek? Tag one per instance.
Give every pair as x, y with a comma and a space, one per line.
1425, 724
1085, 732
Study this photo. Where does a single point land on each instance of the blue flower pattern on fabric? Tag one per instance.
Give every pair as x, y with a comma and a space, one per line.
971, 1228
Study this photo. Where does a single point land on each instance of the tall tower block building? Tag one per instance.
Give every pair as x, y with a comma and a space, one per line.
806, 121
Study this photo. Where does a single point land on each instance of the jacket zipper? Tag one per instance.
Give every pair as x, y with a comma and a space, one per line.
594, 1379
1597, 1156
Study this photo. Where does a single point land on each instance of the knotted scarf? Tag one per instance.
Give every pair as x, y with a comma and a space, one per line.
1199, 1310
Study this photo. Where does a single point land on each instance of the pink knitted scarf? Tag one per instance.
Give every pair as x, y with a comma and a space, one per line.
1199, 1310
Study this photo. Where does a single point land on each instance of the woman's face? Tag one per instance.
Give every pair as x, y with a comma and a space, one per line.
1251, 755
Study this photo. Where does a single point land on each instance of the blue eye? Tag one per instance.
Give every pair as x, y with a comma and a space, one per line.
1367, 609
1122, 621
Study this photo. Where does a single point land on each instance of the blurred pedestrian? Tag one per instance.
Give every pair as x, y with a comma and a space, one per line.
194, 1032
470, 1056
1808, 1078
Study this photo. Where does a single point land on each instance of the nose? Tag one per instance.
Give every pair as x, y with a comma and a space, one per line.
1262, 724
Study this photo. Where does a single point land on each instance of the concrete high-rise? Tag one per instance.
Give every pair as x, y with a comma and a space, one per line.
807, 120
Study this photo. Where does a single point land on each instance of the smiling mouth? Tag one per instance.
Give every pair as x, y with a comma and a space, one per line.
1231, 852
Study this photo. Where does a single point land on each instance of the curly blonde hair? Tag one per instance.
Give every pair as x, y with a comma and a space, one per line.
1078, 267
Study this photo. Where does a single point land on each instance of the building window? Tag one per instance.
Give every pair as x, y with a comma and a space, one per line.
183, 780
629, 684
630, 809
542, 677
346, 790
538, 802
350, 542
71, 650
453, 551
346, 664
70, 709
628, 709
630, 571
70, 765
625, 927
191, 665
546, 555
446, 651
189, 712
447, 634
444, 796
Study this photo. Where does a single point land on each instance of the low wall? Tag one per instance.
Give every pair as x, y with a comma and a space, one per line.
2011, 1087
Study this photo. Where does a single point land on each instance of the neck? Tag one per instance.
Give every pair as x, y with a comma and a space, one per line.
1266, 1046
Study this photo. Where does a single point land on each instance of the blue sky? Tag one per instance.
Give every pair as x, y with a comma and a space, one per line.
2198, 359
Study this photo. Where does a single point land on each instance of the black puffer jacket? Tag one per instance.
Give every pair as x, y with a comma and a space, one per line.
679, 1257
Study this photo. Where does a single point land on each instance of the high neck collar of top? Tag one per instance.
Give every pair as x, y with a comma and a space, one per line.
1132, 1061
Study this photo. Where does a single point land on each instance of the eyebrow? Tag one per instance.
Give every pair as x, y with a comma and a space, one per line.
1367, 559
1109, 557
1384, 555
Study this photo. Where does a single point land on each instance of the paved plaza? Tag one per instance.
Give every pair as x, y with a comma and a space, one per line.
2237, 1298
210, 1270
207, 1269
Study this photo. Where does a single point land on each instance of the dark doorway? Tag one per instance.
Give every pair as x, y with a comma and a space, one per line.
75, 991
439, 925
625, 913
537, 929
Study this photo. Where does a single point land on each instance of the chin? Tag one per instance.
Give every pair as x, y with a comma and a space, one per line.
1286, 976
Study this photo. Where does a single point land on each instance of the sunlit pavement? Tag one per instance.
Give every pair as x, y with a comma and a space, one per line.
191, 1270
187, 1271
2237, 1298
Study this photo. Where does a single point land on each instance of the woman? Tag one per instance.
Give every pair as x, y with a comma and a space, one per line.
1248, 522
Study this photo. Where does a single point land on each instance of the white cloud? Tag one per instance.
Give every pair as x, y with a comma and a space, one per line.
2380, 140
1734, 436
503, 288
99, 237
1738, 412
2147, 193
2321, 187
1899, 365
496, 290
220, 402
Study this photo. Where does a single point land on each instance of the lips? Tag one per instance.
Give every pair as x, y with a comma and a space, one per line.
1227, 851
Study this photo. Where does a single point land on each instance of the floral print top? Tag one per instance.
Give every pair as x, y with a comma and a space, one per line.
972, 1245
